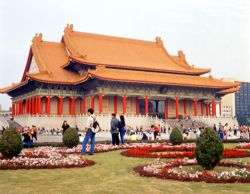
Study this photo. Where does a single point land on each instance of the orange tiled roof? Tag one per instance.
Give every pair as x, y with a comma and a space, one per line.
50, 56
126, 53
160, 78
228, 91
13, 86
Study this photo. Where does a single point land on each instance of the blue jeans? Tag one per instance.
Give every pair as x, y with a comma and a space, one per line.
89, 135
122, 133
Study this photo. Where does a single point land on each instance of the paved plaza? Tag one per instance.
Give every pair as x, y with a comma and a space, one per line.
102, 136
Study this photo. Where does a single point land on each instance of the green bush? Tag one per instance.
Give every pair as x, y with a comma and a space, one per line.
11, 143
71, 138
176, 137
209, 149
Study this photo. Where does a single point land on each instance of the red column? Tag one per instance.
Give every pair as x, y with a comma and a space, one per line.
35, 104
201, 108
115, 104
177, 107
213, 108
73, 105
207, 112
32, 105
195, 107
27, 106
124, 100
92, 98
39, 105
185, 106
136, 106
13, 110
146, 105
100, 103
81, 108
48, 106
61, 105
220, 108
20, 107
70, 100
166, 108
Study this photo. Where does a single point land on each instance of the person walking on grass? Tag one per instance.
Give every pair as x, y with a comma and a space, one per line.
114, 129
89, 134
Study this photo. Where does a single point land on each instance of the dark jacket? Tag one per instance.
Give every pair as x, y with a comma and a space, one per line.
114, 126
65, 127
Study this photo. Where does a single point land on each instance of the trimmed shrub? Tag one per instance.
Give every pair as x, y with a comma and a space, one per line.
11, 143
209, 149
176, 137
71, 138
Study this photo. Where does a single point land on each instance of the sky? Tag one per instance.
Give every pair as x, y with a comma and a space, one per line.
212, 33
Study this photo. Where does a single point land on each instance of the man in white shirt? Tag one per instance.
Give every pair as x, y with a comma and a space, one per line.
89, 134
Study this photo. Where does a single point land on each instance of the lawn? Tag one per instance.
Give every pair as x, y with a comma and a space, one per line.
112, 174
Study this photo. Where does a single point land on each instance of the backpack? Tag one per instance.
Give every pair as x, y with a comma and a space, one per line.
96, 127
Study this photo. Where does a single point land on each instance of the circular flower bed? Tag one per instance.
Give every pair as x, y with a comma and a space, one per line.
181, 151
174, 170
243, 146
44, 157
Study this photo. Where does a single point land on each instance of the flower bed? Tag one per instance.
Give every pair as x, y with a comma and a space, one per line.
181, 151
44, 157
243, 146
173, 170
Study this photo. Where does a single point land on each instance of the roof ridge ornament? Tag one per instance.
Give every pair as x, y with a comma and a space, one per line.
37, 38
69, 28
181, 55
158, 40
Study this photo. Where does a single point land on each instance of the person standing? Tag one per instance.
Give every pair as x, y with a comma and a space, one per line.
122, 125
34, 132
89, 134
114, 129
65, 126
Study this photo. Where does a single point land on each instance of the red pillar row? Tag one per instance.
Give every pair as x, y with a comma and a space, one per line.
207, 107
166, 108
136, 105
146, 105
177, 107
124, 100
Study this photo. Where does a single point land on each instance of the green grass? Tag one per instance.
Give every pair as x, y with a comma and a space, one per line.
112, 174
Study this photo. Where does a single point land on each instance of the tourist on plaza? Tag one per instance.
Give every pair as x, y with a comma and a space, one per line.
27, 139
122, 125
156, 130
114, 129
65, 126
89, 134
214, 127
34, 132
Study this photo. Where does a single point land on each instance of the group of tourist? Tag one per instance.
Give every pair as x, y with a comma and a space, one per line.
232, 132
28, 135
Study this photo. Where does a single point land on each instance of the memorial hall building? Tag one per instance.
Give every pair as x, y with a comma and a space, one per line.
137, 78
